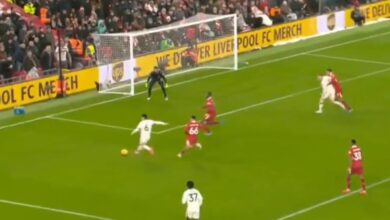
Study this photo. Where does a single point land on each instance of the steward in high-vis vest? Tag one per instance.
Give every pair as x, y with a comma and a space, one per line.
76, 46
29, 8
90, 52
44, 15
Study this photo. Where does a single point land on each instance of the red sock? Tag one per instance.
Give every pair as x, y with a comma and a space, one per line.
363, 183
349, 182
206, 128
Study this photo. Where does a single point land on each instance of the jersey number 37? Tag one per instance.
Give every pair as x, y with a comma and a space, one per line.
193, 197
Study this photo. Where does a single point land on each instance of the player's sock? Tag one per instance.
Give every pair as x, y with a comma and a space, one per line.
347, 107
151, 151
320, 107
149, 91
348, 182
363, 183
182, 153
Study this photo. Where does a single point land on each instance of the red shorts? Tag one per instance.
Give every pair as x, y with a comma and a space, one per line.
210, 117
191, 141
356, 170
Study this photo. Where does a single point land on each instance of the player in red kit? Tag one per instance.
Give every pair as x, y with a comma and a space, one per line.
355, 154
210, 118
192, 130
339, 90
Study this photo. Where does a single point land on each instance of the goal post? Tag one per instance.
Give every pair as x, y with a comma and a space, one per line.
199, 42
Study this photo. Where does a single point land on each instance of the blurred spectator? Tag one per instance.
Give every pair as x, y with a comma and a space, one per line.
30, 61
19, 55
5, 63
66, 60
259, 18
241, 24
47, 58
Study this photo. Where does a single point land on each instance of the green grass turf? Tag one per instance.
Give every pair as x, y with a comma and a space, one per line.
262, 163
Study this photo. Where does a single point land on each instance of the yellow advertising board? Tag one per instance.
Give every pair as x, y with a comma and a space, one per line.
223, 47
43, 89
373, 12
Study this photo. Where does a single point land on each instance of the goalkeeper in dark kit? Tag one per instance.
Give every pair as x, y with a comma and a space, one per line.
157, 76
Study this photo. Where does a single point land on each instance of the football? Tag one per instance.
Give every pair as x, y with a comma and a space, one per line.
124, 152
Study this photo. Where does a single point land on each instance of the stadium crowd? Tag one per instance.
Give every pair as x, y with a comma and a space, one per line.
28, 51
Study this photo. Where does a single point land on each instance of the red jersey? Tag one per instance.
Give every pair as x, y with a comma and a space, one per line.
192, 131
336, 84
356, 156
210, 105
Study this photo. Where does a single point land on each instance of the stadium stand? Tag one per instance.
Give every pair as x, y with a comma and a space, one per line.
31, 29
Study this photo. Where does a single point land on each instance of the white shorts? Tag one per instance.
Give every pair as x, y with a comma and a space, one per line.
144, 140
192, 214
328, 93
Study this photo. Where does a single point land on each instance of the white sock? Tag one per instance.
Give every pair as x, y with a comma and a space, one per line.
320, 107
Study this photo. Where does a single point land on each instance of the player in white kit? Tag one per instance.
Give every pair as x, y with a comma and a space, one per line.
328, 92
193, 199
145, 129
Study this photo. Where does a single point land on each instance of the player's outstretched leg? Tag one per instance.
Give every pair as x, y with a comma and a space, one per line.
187, 148
348, 189
162, 85
347, 107
339, 104
149, 92
320, 106
150, 87
138, 150
149, 149
363, 185
182, 152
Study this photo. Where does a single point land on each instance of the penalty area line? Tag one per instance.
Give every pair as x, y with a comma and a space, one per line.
84, 215
91, 123
335, 199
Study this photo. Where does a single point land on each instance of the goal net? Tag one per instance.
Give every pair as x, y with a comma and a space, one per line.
199, 42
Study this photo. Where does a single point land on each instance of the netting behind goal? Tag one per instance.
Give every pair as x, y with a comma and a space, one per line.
202, 41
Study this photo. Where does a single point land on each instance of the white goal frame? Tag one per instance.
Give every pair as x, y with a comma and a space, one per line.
132, 35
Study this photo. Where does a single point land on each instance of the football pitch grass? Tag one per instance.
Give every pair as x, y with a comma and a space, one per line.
272, 158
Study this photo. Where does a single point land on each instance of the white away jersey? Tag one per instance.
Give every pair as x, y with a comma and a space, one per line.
325, 82
145, 126
193, 199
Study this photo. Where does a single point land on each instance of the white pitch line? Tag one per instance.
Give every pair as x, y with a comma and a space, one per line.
90, 123
195, 79
280, 98
348, 59
335, 199
53, 210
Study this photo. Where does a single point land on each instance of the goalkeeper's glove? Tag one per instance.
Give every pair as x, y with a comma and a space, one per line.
166, 85
146, 85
